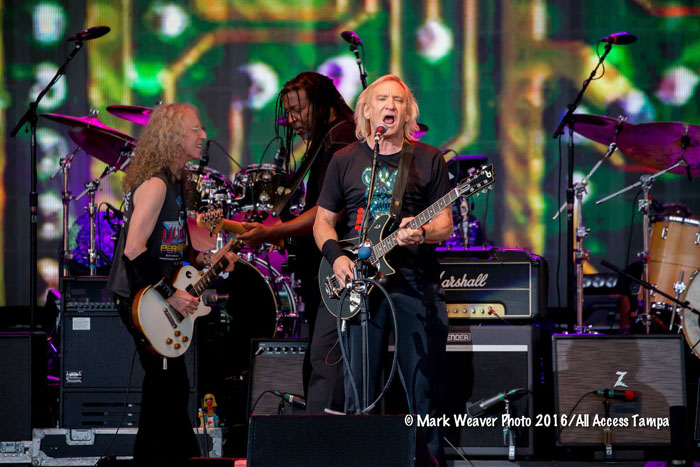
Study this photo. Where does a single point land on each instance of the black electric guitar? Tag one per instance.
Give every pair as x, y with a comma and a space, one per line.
383, 242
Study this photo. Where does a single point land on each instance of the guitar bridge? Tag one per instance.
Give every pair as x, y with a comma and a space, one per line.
333, 288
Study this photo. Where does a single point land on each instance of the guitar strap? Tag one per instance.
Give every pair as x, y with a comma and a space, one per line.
400, 183
300, 174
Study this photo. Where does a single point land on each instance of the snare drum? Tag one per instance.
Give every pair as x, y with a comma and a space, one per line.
674, 249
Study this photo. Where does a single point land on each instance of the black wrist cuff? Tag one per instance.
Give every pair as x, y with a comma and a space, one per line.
331, 251
147, 268
165, 288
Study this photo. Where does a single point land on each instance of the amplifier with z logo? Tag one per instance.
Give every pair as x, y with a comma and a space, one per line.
493, 284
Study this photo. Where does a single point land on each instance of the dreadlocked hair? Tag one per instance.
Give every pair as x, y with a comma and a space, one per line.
322, 96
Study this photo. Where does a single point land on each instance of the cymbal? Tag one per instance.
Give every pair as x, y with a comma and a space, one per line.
659, 145
82, 122
598, 128
132, 113
422, 130
107, 146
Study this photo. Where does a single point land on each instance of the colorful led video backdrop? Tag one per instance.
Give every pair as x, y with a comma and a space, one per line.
491, 77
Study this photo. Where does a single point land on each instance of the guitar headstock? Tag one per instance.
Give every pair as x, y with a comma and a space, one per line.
211, 220
477, 182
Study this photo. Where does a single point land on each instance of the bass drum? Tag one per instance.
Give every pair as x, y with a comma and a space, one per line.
691, 321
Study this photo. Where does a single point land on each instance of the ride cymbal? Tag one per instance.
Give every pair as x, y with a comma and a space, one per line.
107, 146
132, 113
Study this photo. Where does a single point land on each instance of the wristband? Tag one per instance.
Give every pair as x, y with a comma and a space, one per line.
165, 288
331, 250
147, 267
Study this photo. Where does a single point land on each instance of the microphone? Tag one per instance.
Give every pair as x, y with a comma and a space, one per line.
204, 160
379, 132
478, 408
90, 33
211, 298
119, 214
280, 156
351, 37
617, 394
293, 399
621, 38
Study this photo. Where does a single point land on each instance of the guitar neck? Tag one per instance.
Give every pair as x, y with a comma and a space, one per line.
387, 244
198, 288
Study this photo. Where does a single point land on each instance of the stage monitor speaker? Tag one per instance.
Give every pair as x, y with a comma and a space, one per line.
23, 403
331, 440
276, 365
651, 365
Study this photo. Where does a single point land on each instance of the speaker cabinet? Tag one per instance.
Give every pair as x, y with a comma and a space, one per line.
97, 372
653, 366
330, 440
23, 404
483, 361
276, 365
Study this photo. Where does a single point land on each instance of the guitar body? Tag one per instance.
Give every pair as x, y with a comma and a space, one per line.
165, 329
351, 306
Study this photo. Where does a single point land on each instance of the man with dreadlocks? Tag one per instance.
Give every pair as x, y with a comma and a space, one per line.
315, 111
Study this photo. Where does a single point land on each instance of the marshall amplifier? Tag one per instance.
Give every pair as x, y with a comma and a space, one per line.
493, 284
86, 293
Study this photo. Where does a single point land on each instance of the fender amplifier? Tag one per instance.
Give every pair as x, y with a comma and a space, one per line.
497, 283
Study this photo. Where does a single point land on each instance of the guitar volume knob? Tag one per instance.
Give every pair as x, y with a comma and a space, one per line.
168, 341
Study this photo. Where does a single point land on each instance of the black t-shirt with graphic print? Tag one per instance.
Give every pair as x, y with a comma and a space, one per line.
347, 185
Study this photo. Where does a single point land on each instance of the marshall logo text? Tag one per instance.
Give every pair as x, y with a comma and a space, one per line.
464, 282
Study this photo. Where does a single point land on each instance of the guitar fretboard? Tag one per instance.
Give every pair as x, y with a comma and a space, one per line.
198, 288
466, 189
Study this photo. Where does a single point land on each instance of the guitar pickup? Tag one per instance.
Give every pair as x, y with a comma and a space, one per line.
170, 317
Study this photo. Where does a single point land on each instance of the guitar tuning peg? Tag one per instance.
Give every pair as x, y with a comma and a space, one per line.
484, 191
478, 193
490, 187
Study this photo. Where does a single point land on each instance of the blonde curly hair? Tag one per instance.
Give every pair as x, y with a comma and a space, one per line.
363, 128
159, 146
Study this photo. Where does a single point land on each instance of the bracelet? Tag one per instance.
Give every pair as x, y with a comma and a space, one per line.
331, 250
423, 234
165, 288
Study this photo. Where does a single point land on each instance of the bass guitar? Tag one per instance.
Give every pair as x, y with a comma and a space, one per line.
383, 241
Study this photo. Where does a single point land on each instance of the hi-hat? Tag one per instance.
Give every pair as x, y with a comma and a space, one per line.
132, 113
660, 145
599, 128
81, 122
111, 147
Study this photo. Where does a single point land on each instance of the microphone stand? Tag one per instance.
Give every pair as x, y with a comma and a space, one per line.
363, 72
568, 119
30, 116
66, 197
359, 272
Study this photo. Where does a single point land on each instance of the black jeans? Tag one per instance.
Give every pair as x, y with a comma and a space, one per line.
165, 435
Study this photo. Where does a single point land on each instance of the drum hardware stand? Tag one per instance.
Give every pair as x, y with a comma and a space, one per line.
678, 287
66, 197
581, 254
646, 182
90, 188
683, 304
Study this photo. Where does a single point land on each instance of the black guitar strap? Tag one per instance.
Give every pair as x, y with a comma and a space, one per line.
300, 174
400, 182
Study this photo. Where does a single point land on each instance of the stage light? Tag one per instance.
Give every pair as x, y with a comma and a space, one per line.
48, 23
434, 41
345, 75
264, 84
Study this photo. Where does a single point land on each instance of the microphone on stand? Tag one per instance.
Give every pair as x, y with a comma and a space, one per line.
620, 38
89, 33
293, 399
351, 37
280, 156
204, 160
482, 406
379, 132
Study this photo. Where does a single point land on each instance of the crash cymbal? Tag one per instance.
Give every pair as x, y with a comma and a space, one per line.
107, 146
81, 122
132, 113
422, 130
660, 145
598, 128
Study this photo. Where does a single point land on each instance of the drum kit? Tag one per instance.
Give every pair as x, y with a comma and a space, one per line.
671, 243
249, 197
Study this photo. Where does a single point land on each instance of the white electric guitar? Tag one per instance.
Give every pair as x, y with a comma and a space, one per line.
167, 331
